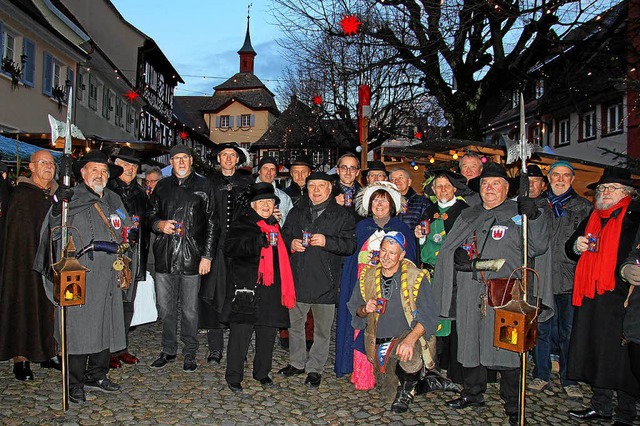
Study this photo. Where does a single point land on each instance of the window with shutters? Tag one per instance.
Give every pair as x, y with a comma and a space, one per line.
29, 64
225, 121
9, 45
93, 92
245, 120
119, 112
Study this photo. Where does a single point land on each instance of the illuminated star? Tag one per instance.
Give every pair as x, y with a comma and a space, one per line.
350, 25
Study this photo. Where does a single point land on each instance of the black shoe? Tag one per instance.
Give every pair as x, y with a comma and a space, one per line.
433, 382
463, 402
22, 370
215, 356
589, 414
105, 385
162, 360
290, 370
235, 387
77, 395
52, 363
267, 382
189, 363
404, 397
313, 380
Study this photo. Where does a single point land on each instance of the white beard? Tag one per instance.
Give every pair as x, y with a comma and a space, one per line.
98, 189
181, 173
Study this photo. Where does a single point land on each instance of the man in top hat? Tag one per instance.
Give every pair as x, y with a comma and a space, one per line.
183, 216
568, 210
376, 170
95, 330
299, 170
136, 202
439, 217
319, 233
267, 172
399, 326
26, 315
230, 189
493, 230
597, 353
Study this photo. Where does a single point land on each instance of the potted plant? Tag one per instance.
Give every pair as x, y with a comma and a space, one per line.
14, 70
58, 93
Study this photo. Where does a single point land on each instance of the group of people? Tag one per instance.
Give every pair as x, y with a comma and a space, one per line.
406, 275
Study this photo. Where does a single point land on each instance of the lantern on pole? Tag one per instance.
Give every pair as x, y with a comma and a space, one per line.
69, 283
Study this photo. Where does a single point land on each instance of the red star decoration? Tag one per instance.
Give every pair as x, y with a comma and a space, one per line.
131, 95
184, 135
317, 100
350, 25
418, 135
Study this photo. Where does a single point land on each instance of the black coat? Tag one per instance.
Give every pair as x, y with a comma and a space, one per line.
242, 248
317, 270
596, 355
295, 192
136, 202
190, 202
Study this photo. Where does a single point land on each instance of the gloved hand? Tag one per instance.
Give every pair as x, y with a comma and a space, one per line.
64, 193
461, 260
134, 234
631, 273
527, 206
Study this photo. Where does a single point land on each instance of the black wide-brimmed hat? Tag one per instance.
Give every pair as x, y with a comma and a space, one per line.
242, 158
374, 165
615, 175
127, 154
267, 160
96, 156
301, 160
263, 191
457, 180
492, 170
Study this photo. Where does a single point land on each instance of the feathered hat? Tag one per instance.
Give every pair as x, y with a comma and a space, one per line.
364, 197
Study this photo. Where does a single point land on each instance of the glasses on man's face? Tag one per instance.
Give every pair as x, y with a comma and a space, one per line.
607, 188
43, 163
150, 181
348, 169
180, 159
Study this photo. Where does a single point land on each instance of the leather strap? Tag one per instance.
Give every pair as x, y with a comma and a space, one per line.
106, 222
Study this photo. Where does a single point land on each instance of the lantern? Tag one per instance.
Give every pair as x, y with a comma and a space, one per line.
69, 278
516, 327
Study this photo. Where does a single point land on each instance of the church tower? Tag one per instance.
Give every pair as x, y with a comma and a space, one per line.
246, 52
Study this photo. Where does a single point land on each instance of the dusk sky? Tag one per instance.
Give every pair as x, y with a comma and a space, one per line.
202, 38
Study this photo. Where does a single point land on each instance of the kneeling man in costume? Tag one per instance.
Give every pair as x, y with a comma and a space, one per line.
393, 304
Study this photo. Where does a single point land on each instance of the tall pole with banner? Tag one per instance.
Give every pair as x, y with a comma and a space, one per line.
364, 114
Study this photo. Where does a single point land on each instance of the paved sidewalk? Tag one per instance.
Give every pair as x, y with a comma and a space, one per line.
171, 396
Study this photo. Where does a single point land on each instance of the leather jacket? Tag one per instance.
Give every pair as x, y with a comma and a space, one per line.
189, 201
136, 202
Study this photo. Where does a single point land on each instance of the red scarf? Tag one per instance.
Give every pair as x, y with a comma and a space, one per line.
597, 271
265, 267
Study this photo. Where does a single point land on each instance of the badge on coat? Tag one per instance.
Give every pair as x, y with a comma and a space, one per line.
498, 231
115, 220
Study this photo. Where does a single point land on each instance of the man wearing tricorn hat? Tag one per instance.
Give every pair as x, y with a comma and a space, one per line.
137, 203
439, 218
229, 191
95, 329
491, 230
601, 243
183, 216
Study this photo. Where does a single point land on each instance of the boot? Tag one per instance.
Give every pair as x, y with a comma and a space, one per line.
433, 381
404, 394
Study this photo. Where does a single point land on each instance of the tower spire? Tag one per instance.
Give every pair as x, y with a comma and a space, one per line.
246, 52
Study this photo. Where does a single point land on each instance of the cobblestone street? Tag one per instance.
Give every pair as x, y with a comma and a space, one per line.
171, 396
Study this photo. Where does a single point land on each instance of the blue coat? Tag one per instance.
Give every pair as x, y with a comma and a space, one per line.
344, 330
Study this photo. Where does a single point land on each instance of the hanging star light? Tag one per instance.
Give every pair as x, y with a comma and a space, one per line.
418, 135
350, 25
317, 100
132, 95
184, 135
